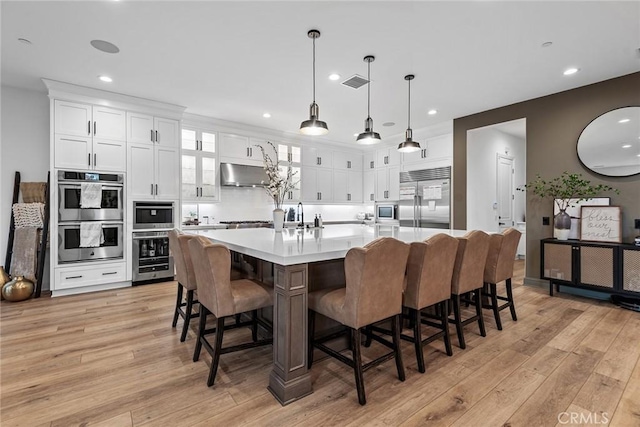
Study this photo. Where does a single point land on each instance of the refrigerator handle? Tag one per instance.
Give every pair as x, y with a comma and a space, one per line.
415, 211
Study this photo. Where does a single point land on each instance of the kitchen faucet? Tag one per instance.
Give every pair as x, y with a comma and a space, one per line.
300, 213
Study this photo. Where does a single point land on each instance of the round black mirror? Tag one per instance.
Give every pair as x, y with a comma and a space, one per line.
610, 144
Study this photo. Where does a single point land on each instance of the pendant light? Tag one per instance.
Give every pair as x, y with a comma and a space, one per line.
314, 126
409, 145
368, 137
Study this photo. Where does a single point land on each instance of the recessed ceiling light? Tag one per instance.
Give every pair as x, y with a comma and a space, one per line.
266, 115
432, 112
105, 79
547, 44
623, 121
334, 76
570, 71
24, 41
626, 146
105, 46
388, 124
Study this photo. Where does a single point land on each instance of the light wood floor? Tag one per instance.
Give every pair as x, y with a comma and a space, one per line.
112, 359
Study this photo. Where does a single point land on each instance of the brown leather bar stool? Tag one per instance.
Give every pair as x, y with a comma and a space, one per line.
374, 278
468, 275
223, 297
498, 268
178, 245
428, 283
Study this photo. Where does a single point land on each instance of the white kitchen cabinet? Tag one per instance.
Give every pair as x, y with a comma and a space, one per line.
88, 137
146, 129
291, 155
347, 186
369, 186
416, 156
387, 157
153, 172
198, 168
317, 184
317, 157
347, 161
369, 160
241, 150
433, 152
388, 184
89, 275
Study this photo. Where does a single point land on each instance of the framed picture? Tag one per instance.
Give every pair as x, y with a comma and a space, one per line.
574, 212
600, 224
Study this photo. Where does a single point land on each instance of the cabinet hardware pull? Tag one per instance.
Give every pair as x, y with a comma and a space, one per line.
73, 277
247, 151
250, 151
371, 196
152, 189
95, 126
349, 197
111, 272
151, 135
371, 164
95, 160
89, 159
89, 127
157, 137
156, 189
348, 164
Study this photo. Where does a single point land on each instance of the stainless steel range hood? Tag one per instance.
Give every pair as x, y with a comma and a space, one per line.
242, 175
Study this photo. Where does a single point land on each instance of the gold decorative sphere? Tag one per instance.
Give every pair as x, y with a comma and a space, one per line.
19, 289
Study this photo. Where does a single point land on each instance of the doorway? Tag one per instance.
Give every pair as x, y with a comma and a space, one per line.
496, 167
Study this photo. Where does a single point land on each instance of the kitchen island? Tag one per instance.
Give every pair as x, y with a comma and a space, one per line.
304, 259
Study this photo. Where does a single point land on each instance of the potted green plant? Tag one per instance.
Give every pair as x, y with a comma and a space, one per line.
565, 189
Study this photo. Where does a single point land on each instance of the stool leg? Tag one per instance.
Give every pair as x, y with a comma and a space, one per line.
478, 301
444, 310
395, 326
202, 324
311, 332
254, 325
458, 321
178, 302
187, 315
417, 339
494, 305
357, 366
512, 306
215, 358
367, 333
238, 318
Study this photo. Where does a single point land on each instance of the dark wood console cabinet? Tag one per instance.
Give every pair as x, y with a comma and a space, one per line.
613, 268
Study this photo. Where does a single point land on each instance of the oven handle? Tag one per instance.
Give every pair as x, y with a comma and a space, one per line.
166, 236
77, 224
77, 185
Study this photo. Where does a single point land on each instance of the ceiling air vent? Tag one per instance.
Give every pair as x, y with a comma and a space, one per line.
355, 81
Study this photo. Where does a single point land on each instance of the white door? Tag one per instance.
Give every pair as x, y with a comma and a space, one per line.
340, 185
369, 185
109, 155
139, 128
309, 184
190, 189
140, 167
166, 173
235, 146
325, 184
71, 118
207, 175
394, 183
355, 186
72, 152
109, 123
167, 134
382, 184
505, 192
369, 160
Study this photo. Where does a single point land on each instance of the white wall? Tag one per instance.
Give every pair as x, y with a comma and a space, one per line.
483, 145
24, 146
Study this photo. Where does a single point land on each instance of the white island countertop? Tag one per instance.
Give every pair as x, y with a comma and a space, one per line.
299, 246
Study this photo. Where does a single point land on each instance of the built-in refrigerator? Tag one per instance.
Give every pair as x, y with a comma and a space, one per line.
425, 198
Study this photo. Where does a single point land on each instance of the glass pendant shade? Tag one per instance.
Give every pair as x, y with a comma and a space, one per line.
314, 126
409, 145
368, 137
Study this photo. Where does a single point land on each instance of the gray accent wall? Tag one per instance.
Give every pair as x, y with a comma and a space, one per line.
554, 123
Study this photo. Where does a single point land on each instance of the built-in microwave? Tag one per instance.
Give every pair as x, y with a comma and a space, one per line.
69, 196
149, 215
386, 212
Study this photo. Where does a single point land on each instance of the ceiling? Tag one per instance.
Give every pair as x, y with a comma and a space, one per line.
237, 60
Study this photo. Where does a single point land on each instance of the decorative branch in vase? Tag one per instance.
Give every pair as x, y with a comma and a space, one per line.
280, 183
566, 189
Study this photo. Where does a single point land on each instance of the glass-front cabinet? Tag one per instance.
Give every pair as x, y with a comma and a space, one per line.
199, 165
291, 155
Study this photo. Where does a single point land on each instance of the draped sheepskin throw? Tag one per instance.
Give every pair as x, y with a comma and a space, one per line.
25, 245
28, 214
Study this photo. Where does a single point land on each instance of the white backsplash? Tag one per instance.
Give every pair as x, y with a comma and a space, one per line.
253, 204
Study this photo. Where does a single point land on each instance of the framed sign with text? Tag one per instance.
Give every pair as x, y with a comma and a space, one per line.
600, 224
